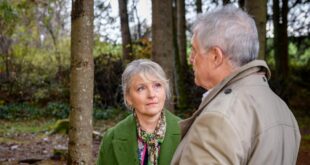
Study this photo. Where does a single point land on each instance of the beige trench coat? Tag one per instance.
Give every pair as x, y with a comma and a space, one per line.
241, 121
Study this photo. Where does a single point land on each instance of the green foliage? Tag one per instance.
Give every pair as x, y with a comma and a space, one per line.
107, 48
8, 17
58, 110
109, 113
299, 51
21, 111
108, 71
142, 48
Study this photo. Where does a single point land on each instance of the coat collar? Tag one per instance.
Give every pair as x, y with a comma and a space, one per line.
125, 143
248, 69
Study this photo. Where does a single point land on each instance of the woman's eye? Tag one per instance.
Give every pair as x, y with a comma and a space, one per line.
157, 85
140, 89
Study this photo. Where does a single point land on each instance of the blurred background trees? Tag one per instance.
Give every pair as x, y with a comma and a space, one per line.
36, 37
35, 48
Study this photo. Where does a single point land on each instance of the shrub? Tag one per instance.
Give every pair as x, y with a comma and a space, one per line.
58, 110
20, 110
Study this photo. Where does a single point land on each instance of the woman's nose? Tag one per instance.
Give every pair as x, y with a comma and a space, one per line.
151, 92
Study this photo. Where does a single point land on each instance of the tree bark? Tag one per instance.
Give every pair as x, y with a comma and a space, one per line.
181, 55
281, 46
225, 2
126, 38
258, 9
198, 6
241, 4
81, 83
181, 32
162, 39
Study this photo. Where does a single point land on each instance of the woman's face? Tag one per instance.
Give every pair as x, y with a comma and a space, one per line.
147, 95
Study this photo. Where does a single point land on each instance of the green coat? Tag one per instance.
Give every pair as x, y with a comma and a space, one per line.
119, 144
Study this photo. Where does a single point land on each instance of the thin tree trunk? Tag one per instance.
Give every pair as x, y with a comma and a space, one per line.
5, 52
126, 38
258, 9
281, 46
81, 83
181, 55
241, 3
181, 29
198, 6
162, 39
225, 2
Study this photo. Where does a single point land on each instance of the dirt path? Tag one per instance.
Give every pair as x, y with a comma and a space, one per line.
39, 148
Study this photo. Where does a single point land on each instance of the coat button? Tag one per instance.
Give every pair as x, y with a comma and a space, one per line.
227, 91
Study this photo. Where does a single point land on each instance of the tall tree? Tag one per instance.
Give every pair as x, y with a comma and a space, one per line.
198, 6
181, 55
281, 44
8, 21
241, 3
258, 9
181, 32
162, 38
81, 83
225, 2
126, 38
52, 17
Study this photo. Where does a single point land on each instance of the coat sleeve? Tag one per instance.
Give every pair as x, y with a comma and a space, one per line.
105, 155
212, 140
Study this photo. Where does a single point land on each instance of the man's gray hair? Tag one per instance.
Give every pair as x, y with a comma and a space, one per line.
230, 29
146, 68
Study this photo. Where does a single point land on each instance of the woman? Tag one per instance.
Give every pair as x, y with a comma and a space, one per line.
151, 134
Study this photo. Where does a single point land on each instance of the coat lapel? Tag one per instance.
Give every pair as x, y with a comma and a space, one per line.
172, 139
125, 144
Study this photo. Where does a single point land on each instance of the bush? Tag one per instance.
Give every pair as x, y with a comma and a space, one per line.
58, 110
20, 110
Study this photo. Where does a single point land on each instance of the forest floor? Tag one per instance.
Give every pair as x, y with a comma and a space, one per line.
29, 142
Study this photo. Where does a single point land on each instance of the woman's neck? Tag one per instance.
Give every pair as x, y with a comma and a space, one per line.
148, 123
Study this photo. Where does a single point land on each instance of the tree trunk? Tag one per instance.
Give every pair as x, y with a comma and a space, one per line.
258, 9
225, 2
181, 29
81, 83
5, 47
241, 4
126, 38
281, 46
162, 39
198, 6
181, 55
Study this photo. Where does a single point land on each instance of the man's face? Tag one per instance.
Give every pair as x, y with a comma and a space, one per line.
202, 65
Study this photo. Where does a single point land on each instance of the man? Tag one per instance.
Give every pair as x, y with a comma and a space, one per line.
240, 120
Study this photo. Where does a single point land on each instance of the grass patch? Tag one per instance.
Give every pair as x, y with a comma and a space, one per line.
8, 127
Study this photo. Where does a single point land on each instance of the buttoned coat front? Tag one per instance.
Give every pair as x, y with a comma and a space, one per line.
119, 145
241, 121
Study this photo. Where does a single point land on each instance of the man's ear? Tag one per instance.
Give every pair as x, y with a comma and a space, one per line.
218, 56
